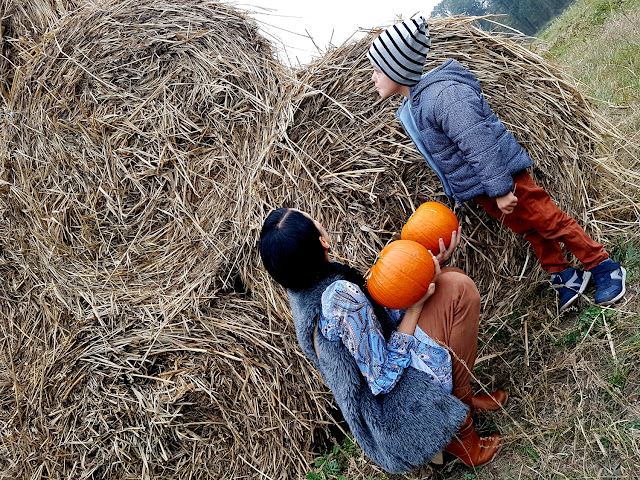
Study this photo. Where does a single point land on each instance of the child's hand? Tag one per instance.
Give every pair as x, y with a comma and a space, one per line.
445, 253
507, 203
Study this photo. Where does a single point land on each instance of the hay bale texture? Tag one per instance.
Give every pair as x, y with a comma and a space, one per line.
142, 145
130, 143
22, 24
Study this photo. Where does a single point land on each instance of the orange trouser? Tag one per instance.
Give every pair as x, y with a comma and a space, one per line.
451, 317
544, 226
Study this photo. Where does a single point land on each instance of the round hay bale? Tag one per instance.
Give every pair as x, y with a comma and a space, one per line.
210, 397
349, 163
132, 140
130, 148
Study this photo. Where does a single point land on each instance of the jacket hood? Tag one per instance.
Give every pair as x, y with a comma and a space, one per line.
450, 71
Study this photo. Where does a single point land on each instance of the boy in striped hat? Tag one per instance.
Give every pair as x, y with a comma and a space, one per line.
476, 158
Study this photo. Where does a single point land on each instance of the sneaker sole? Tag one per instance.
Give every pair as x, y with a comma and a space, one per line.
621, 294
586, 277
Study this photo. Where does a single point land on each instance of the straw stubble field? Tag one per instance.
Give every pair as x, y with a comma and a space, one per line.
143, 143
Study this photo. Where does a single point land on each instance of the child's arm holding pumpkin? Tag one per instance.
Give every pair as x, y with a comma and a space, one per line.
348, 316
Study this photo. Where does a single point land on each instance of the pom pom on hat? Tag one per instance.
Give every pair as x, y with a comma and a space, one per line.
401, 50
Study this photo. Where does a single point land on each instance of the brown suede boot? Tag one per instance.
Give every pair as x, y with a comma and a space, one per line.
471, 449
484, 403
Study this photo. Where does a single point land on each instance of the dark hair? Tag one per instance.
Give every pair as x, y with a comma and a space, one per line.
292, 253
290, 249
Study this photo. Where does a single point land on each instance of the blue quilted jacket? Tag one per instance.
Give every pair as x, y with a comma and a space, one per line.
470, 146
399, 430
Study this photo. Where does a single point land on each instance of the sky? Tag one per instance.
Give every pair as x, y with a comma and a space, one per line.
290, 23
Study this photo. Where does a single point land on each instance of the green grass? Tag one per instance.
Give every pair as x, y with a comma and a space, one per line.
333, 465
585, 18
628, 253
589, 324
598, 41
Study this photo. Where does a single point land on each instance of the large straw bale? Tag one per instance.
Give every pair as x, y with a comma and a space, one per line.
350, 164
207, 397
346, 161
129, 151
133, 138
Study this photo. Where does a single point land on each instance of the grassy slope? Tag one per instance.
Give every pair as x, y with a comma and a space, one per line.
574, 383
599, 42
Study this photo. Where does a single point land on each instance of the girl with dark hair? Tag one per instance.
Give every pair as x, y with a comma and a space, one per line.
290, 249
402, 378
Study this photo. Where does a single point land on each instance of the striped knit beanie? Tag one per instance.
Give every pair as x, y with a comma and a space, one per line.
400, 51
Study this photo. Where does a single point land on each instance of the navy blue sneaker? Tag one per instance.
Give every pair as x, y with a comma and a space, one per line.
569, 284
610, 278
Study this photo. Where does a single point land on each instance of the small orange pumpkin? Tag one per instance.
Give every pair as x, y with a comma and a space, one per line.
431, 222
401, 274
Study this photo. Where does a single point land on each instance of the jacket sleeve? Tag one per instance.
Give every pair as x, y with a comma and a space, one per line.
459, 113
347, 315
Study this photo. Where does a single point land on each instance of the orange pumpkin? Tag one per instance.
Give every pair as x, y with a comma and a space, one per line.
401, 274
431, 222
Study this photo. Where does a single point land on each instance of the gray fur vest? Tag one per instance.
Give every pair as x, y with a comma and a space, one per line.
400, 430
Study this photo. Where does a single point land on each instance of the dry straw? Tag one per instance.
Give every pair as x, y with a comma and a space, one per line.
22, 24
143, 143
134, 136
131, 141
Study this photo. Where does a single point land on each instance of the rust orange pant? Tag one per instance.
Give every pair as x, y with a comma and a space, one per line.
451, 317
544, 226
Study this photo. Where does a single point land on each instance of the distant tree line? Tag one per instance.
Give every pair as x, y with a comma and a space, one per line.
528, 16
